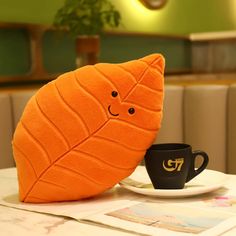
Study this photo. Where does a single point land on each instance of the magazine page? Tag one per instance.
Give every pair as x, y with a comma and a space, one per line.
152, 217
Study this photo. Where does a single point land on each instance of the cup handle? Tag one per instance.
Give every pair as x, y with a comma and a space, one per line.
194, 172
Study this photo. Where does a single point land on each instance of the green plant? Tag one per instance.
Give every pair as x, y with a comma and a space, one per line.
87, 17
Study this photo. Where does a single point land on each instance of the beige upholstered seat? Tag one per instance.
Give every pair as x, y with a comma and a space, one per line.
231, 128
172, 123
6, 130
11, 107
205, 121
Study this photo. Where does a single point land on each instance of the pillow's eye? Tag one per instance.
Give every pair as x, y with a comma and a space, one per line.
131, 110
114, 94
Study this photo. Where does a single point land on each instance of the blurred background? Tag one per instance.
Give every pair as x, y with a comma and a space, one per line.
195, 36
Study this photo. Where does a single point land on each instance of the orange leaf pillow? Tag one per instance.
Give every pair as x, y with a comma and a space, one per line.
82, 133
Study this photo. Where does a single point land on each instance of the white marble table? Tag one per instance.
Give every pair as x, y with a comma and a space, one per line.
20, 222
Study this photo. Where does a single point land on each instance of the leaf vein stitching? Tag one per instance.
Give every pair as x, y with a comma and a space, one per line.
93, 96
119, 144
136, 126
37, 141
104, 162
80, 174
28, 160
71, 109
104, 76
52, 124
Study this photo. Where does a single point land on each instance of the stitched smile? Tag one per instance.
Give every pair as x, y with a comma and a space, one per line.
109, 109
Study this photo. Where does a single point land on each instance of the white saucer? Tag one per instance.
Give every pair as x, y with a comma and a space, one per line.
207, 181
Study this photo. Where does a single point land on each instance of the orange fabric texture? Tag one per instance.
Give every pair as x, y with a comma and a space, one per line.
82, 133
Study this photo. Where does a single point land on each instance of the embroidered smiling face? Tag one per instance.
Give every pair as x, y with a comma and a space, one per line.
131, 110
115, 109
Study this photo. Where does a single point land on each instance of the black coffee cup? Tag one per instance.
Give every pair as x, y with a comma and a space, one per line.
171, 165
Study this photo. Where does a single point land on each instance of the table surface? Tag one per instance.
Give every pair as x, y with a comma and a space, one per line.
20, 222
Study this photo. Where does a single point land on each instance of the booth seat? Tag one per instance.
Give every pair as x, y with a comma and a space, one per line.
201, 115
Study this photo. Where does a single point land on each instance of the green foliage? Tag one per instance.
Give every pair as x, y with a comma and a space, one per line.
87, 17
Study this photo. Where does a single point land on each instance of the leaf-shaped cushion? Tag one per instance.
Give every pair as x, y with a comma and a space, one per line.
82, 133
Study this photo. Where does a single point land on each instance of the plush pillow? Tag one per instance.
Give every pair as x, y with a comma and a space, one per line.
82, 133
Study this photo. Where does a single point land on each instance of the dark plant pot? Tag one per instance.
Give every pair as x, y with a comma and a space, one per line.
87, 49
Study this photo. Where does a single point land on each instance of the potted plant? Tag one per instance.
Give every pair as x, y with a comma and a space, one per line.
86, 20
